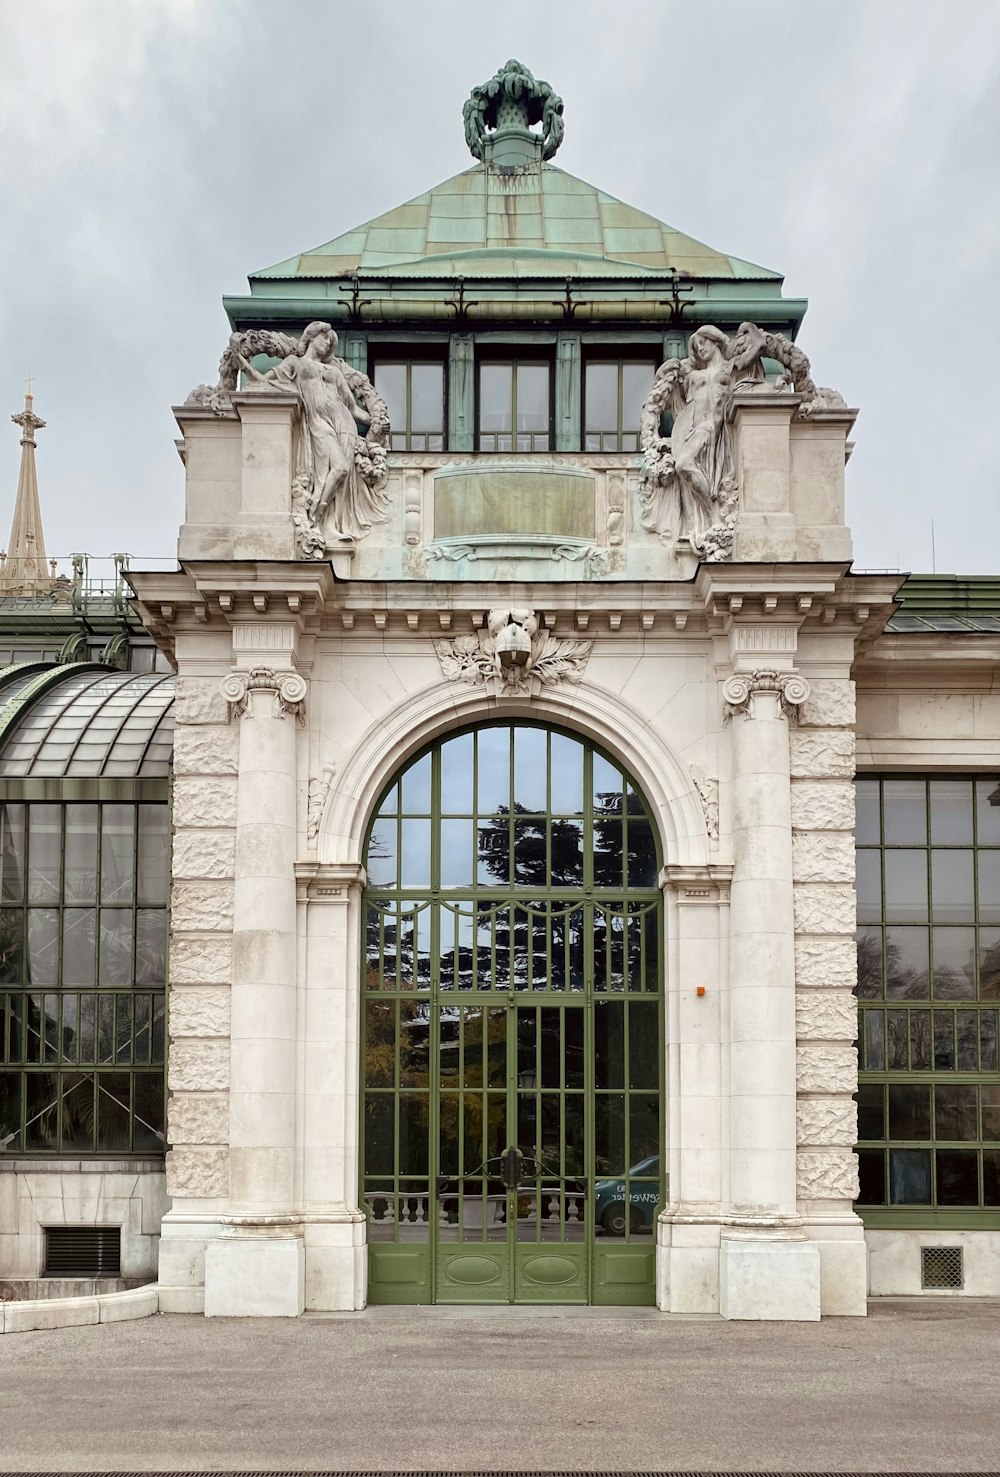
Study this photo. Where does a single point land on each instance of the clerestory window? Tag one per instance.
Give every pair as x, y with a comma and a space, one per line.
515, 406
413, 390
613, 394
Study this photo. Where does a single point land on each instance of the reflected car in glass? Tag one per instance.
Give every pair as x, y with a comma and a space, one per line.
614, 1209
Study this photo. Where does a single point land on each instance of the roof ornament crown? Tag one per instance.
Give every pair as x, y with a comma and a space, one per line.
499, 113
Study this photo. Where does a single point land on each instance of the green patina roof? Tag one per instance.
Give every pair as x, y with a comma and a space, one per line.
532, 222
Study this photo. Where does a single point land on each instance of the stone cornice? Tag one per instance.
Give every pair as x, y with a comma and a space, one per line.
328, 882
705, 886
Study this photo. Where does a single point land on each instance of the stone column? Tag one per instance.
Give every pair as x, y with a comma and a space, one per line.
767, 1267
336, 1260
257, 1266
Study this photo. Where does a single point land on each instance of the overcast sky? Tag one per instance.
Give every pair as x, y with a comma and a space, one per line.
153, 152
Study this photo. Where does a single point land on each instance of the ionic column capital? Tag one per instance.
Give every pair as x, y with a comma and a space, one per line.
784, 690
264, 692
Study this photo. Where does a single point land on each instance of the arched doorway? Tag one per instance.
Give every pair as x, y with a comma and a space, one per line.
512, 1026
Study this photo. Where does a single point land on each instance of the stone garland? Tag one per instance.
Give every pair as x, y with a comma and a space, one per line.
822, 767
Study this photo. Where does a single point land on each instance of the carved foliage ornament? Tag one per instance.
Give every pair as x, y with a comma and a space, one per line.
689, 488
512, 655
263, 691
342, 468
513, 98
738, 692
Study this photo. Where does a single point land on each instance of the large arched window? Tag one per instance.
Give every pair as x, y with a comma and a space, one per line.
513, 1021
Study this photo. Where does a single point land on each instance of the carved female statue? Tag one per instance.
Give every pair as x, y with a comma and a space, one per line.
333, 418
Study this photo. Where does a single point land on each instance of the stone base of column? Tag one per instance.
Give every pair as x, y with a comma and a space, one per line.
843, 1257
181, 1265
336, 1261
761, 1280
687, 1265
250, 1275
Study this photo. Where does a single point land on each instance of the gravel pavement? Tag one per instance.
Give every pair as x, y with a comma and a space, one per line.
914, 1387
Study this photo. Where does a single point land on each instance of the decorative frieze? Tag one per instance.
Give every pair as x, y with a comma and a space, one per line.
830, 704
823, 856
263, 636
198, 1173
201, 961
265, 691
826, 1015
204, 802
830, 1122
205, 751
829, 909
201, 907
829, 1175
202, 1013
826, 1067
198, 1066
198, 1118
204, 854
825, 962
823, 805
739, 691
816, 753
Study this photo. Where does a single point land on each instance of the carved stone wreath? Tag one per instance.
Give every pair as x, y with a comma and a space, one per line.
512, 655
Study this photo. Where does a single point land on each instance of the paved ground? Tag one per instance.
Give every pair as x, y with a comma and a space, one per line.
913, 1387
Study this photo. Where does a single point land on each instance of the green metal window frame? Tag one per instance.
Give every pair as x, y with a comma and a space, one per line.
82, 1062
613, 438
412, 987
404, 438
929, 1056
537, 441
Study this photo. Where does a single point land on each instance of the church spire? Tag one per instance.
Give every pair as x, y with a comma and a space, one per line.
24, 570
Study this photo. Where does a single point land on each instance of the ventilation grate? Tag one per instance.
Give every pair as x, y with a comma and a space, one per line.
83, 1251
941, 1266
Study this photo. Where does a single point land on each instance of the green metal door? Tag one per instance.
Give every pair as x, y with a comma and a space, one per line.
513, 1030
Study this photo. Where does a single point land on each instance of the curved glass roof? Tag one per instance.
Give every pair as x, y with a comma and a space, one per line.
90, 721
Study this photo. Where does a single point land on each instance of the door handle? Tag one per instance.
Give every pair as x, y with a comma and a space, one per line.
511, 1164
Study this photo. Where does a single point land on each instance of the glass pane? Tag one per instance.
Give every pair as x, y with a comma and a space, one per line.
390, 383
637, 381
954, 964
909, 1111
80, 882
871, 1175
417, 788
11, 945
643, 1126
112, 1110
868, 881
955, 1112
529, 852
988, 811
379, 1134
151, 946
909, 1177
117, 853
609, 1044
907, 974
874, 1043
12, 856
493, 770
495, 397
957, 1177
609, 785
456, 775
530, 787
898, 1033
456, 853
609, 1135
44, 841
951, 886
944, 1041
601, 397
966, 1035
951, 813
380, 861
991, 1112
905, 885
871, 1111
609, 856
989, 964
567, 853
43, 946
115, 962
905, 806
79, 939
567, 775
10, 1110
989, 886
427, 397
415, 869
867, 828
641, 854
574, 1053
991, 1177
532, 397
493, 865
414, 1117
154, 854
988, 1040
920, 1040
869, 963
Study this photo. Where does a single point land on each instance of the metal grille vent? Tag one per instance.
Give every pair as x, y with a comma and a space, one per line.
83, 1251
941, 1266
